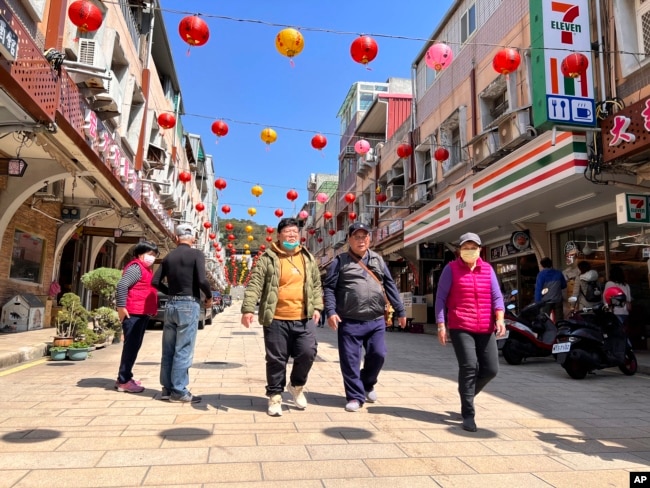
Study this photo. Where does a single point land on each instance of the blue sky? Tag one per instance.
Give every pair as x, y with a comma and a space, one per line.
240, 77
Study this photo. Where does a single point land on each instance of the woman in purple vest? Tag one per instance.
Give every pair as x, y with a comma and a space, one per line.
136, 301
469, 305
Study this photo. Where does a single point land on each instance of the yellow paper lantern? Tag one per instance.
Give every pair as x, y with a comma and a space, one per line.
252, 211
246, 246
268, 135
289, 42
250, 238
257, 190
247, 251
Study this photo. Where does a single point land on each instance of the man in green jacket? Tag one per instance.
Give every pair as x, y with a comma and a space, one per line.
286, 283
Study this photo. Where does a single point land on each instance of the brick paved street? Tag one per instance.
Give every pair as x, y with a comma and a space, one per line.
62, 424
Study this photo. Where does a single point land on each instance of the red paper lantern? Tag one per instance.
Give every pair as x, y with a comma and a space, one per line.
441, 154
269, 238
574, 65
229, 246
185, 176
200, 208
506, 61
226, 209
327, 215
219, 128
364, 49
166, 120
319, 141
231, 237
311, 232
320, 239
85, 15
404, 150
291, 195
270, 230
331, 232
212, 235
303, 239
381, 197
215, 245
220, 184
229, 226
278, 213
352, 216
194, 30
262, 247
207, 225
349, 197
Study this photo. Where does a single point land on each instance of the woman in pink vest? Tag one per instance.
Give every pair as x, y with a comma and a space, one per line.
469, 305
136, 302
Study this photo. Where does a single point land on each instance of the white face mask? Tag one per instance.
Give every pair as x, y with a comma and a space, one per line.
148, 260
470, 255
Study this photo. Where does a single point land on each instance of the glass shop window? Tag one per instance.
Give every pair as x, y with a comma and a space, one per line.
27, 257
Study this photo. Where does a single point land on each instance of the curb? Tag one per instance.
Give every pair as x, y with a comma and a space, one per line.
23, 354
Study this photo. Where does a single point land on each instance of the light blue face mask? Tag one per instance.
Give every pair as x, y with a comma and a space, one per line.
290, 246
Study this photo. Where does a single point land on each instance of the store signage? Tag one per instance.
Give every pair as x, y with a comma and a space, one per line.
8, 41
632, 209
557, 30
625, 133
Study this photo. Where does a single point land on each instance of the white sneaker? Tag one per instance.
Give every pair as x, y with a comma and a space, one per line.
275, 405
299, 399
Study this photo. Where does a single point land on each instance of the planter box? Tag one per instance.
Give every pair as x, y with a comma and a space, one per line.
78, 354
58, 355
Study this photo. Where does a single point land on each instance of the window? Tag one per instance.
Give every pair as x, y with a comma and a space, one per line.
365, 100
467, 24
26, 257
494, 101
450, 138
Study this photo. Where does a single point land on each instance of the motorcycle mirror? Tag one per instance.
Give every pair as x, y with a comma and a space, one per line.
573, 299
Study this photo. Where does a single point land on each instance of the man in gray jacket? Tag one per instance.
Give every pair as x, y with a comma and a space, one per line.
356, 288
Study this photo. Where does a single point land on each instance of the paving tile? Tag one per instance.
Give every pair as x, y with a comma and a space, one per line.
620, 460
173, 474
230, 454
418, 466
514, 464
197, 440
587, 479
356, 451
300, 439
317, 470
496, 480
82, 478
387, 482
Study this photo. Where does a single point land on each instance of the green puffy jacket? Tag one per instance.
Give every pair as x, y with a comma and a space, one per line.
265, 281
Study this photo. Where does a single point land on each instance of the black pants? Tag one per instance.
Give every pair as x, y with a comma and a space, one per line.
284, 339
478, 363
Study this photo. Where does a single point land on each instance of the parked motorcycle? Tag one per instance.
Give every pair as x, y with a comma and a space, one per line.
594, 338
530, 333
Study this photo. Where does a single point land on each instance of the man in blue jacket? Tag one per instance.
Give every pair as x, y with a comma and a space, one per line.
356, 288
553, 281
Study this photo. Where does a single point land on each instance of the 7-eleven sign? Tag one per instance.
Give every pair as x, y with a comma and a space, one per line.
632, 209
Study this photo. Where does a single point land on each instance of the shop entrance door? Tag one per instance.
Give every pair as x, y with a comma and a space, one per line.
518, 273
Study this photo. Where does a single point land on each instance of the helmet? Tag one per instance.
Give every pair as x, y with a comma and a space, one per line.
615, 297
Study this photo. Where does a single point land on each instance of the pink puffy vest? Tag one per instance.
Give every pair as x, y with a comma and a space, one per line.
469, 304
142, 298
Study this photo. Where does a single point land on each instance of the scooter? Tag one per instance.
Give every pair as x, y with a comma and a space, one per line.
531, 333
593, 339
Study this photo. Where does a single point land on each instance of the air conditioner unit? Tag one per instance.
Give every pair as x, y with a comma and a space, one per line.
52, 192
418, 195
394, 192
349, 150
90, 53
338, 239
513, 130
370, 157
394, 174
311, 184
365, 218
111, 101
484, 149
309, 221
362, 166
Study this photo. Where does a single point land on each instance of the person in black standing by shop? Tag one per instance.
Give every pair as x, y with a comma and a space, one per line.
184, 271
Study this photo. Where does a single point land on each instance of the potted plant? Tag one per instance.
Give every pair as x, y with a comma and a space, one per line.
78, 351
71, 320
103, 282
58, 353
106, 322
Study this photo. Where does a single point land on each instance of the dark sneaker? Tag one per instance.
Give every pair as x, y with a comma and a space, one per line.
187, 398
165, 394
469, 425
130, 387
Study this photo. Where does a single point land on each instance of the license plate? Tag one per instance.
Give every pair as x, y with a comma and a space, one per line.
561, 347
